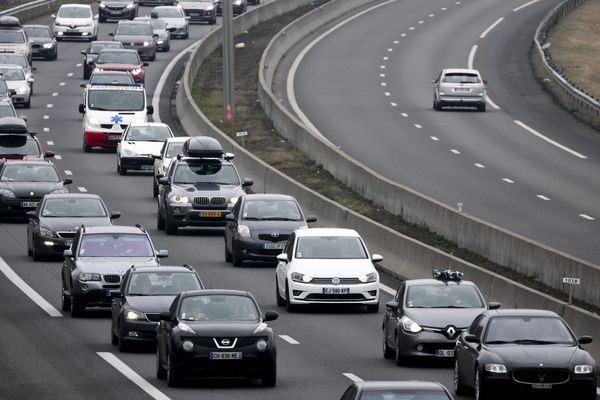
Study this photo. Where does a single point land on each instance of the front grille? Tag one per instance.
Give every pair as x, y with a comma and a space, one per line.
115, 8
152, 317
335, 297
109, 126
210, 342
197, 13
541, 375
267, 237
343, 281
212, 201
66, 234
111, 278
35, 45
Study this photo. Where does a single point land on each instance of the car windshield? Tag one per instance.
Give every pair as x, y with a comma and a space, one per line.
330, 247
528, 331
12, 37
168, 13
121, 57
443, 296
74, 12
148, 133
29, 173
116, 100
14, 59
5, 110
38, 31
12, 74
218, 308
134, 29
206, 172
403, 394
105, 79
461, 78
73, 208
162, 283
18, 145
96, 47
115, 245
156, 23
271, 210
173, 149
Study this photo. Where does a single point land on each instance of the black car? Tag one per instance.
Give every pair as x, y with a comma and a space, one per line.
52, 226
201, 187
239, 6
259, 226
144, 293
528, 353
117, 9
413, 390
24, 183
209, 333
43, 43
16, 141
91, 54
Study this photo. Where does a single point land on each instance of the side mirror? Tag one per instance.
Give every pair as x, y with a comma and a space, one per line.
156, 156
34, 68
30, 80
247, 182
67, 181
434, 81
485, 81
68, 253
471, 339
311, 218
30, 214
187, 18
163, 181
493, 305
163, 254
376, 258
53, 16
150, 110
230, 217
585, 339
23, 117
117, 294
391, 306
282, 257
92, 62
49, 154
83, 84
165, 316
270, 315
96, 16
83, 52
155, 35
111, 34
145, 64
81, 108
115, 215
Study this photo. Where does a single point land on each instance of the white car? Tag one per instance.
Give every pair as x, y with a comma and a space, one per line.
170, 149
327, 266
18, 84
76, 21
175, 18
138, 145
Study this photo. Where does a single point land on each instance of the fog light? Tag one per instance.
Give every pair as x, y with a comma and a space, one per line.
261, 345
85, 34
297, 292
188, 346
48, 243
419, 348
373, 293
133, 334
59, 33
84, 286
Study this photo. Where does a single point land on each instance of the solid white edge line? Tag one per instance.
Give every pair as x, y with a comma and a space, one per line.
525, 5
82, 189
387, 289
289, 339
294, 68
352, 377
491, 103
28, 290
585, 216
133, 376
484, 34
471, 56
552, 142
163, 79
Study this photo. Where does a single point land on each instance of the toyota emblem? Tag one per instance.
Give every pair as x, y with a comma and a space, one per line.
31, 193
335, 281
225, 342
275, 234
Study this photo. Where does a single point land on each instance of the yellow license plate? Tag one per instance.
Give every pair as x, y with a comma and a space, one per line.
210, 214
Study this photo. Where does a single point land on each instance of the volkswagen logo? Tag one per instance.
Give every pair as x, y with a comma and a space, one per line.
450, 331
31, 193
335, 281
225, 342
275, 234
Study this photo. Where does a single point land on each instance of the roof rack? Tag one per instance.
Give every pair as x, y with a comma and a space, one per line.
447, 275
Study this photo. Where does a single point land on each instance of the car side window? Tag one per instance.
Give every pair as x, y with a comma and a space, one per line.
75, 243
400, 293
289, 246
236, 209
124, 281
171, 169
474, 324
349, 394
163, 150
480, 326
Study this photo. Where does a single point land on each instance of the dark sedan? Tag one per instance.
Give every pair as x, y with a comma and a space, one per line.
43, 43
413, 390
52, 226
210, 333
24, 183
529, 353
259, 226
91, 54
145, 292
137, 35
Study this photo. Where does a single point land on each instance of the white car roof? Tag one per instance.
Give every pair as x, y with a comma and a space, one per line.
75, 6
326, 232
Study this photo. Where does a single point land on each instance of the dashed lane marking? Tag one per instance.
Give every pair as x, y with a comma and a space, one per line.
289, 339
484, 34
385, 58
46, 129
541, 196
62, 84
50, 143
454, 151
412, 28
479, 165
507, 180
383, 84
352, 377
404, 115
46, 117
546, 139
57, 157
434, 138
70, 74
68, 172
418, 126
49, 105
585, 216
54, 94
388, 94
522, 7
382, 75
82, 189
394, 104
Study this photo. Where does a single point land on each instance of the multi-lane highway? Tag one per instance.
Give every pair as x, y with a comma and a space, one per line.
48, 355
525, 165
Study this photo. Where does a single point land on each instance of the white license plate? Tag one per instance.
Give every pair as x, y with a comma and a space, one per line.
541, 385
226, 355
147, 167
194, 14
462, 90
72, 30
29, 204
273, 246
444, 353
114, 137
335, 290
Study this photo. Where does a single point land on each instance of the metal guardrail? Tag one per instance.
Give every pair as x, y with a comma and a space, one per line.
541, 35
26, 7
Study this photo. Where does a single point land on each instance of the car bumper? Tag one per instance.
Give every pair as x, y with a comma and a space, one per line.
258, 250
188, 216
138, 331
43, 52
117, 14
94, 293
425, 344
82, 32
99, 138
200, 16
468, 101
20, 98
574, 388
138, 163
179, 31
51, 246
303, 293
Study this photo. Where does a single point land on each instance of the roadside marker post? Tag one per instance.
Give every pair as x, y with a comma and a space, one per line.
571, 282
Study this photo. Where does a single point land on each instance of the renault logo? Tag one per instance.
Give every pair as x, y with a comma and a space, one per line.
335, 281
275, 234
225, 342
31, 193
450, 331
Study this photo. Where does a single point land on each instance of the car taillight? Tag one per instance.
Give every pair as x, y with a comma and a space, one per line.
477, 80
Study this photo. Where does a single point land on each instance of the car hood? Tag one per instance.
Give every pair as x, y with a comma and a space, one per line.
532, 355
203, 189
116, 265
117, 3
344, 268
127, 117
186, 5
72, 224
24, 189
16, 84
13, 46
150, 304
73, 21
223, 328
442, 317
132, 38
141, 147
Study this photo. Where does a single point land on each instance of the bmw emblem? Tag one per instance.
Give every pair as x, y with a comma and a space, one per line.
275, 234
225, 342
335, 280
31, 193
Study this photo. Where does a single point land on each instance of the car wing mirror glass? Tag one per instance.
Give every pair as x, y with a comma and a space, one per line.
115, 215
247, 182
471, 339
30, 214
230, 217
270, 315
311, 218
391, 305
163, 253
376, 258
48, 154
67, 181
163, 181
165, 316
68, 253
585, 339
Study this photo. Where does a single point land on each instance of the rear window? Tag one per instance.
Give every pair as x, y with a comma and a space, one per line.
461, 78
12, 37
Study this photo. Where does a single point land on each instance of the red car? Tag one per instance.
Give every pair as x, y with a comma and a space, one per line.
17, 143
121, 60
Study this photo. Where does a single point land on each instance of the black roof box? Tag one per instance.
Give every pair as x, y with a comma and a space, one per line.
202, 146
12, 125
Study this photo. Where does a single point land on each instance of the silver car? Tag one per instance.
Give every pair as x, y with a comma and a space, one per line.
459, 87
175, 18
75, 21
13, 38
21, 60
18, 84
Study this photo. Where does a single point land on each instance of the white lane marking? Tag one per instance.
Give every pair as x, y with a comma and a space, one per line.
541, 196
444, 8
492, 26
133, 376
393, 104
585, 216
385, 58
78, 65
435, 138
396, 41
412, 28
388, 94
457, 3
68, 172
455, 151
163, 78
403, 35
552, 142
522, 7
598, 391
62, 84
404, 115
431, 15
479, 165
383, 84
54, 94
471, 57
390, 49
387, 289
382, 66
421, 21
289, 339
27, 290
46, 129
49, 105
352, 377
382, 75
46, 117
491, 103
508, 180
57, 157
418, 126
70, 74
50, 143
82, 189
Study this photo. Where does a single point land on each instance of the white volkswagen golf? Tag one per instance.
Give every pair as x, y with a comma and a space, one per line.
327, 265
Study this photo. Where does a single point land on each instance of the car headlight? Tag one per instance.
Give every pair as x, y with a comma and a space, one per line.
298, 277
372, 277
59, 191
102, 5
47, 232
129, 153
135, 316
160, 41
136, 71
442, 94
583, 369
409, 325
8, 194
94, 122
46, 46
210, 8
185, 328
22, 89
233, 200
243, 230
89, 276
237, 3
130, 6
495, 368
146, 44
179, 199
88, 24
261, 327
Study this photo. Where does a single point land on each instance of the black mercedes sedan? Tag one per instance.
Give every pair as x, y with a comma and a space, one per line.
144, 293
210, 333
24, 183
259, 226
413, 390
52, 226
532, 353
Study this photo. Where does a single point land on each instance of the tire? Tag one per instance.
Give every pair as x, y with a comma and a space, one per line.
153, 58
388, 353
154, 189
187, 35
120, 169
268, 377
27, 104
437, 106
459, 388
212, 22
397, 355
172, 377
170, 227
86, 75
228, 255
65, 303
101, 19
114, 339
124, 346
86, 148
280, 300
161, 373
238, 260
160, 221
289, 307
481, 107
29, 251
373, 308
54, 57
77, 307
481, 392
34, 252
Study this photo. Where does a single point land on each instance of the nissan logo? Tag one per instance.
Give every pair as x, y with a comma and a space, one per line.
275, 234
225, 342
335, 281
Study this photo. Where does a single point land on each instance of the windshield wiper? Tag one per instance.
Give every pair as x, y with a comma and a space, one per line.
450, 307
532, 341
139, 294
253, 219
278, 219
498, 342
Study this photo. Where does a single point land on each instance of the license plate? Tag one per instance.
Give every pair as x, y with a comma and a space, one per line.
229, 355
462, 90
29, 204
210, 214
273, 246
114, 137
194, 14
335, 290
147, 167
68, 242
541, 385
444, 353
72, 30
